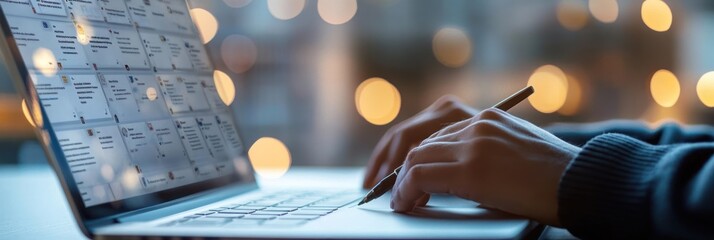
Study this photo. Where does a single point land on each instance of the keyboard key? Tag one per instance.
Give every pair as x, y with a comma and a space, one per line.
268, 213
319, 208
299, 217
224, 215
279, 209
233, 211
206, 213
292, 204
258, 217
327, 205
310, 212
265, 203
288, 208
245, 207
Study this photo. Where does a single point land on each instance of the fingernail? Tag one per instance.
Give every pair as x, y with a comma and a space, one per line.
391, 205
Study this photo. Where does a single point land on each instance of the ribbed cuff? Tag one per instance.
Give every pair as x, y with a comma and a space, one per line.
604, 192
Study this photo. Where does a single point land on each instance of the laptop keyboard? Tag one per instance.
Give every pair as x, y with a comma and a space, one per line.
283, 209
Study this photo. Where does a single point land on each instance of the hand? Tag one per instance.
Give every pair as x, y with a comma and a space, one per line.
396, 143
495, 159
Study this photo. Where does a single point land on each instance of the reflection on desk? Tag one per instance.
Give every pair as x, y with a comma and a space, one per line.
33, 206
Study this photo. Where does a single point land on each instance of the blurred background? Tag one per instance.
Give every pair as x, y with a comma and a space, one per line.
327, 78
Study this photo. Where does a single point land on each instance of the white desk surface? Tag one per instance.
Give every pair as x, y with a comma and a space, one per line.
32, 205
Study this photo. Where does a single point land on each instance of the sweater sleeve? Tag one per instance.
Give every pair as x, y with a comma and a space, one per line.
668, 133
619, 187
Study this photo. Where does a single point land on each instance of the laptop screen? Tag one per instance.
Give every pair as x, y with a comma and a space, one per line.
128, 92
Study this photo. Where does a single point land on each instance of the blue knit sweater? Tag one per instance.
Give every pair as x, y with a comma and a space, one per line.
632, 182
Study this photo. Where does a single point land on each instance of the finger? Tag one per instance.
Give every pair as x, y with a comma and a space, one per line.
488, 122
446, 137
432, 152
451, 128
399, 146
423, 200
375, 162
423, 179
429, 153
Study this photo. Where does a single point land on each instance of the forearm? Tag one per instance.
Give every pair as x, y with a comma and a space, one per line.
620, 187
669, 133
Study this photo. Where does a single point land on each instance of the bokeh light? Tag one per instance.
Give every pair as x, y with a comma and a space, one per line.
336, 12
45, 61
378, 101
239, 53
665, 88
26, 112
151, 93
656, 15
551, 89
130, 179
572, 14
574, 97
107, 172
225, 87
205, 22
36, 113
237, 3
605, 11
705, 89
270, 157
285, 9
452, 47
84, 30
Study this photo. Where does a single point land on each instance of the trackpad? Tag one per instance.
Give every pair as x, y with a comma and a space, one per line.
443, 217
441, 207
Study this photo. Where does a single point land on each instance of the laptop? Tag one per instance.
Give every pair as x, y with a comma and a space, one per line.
125, 105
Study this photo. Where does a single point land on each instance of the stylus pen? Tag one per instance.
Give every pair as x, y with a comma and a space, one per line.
387, 183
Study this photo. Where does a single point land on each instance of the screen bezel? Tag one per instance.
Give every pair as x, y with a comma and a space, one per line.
45, 134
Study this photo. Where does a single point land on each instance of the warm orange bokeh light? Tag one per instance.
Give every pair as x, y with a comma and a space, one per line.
336, 12
26, 112
285, 9
665, 88
130, 179
605, 11
656, 15
225, 87
205, 22
84, 30
551, 89
378, 101
452, 47
45, 61
705, 89
574, 97
270, 157
572, 15
151, 93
